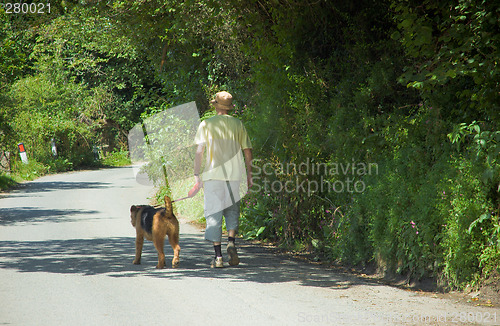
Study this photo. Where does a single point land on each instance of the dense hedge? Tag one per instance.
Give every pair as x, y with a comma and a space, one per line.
411, 87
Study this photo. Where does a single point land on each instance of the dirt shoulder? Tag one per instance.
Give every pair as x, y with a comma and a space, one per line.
486, 295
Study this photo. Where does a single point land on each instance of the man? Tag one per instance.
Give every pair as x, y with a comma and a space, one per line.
222, 137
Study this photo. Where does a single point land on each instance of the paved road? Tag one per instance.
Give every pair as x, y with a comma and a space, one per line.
66, 251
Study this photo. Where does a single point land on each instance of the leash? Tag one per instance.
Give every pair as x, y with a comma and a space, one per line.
195, 189
191, 194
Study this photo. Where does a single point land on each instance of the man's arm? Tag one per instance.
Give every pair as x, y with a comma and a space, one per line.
197, 164
247, 152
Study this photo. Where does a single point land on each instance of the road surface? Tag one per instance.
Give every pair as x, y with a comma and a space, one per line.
66, 251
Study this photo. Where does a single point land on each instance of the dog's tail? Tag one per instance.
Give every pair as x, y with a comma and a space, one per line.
168, 206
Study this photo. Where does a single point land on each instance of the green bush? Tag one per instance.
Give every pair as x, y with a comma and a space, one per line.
29, 171
465, 201
6, 181
117, 158
60, 165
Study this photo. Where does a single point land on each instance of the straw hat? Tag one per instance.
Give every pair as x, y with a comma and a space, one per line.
223, 100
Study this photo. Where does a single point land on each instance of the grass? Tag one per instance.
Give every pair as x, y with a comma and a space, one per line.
33, 170
118, 158
6, 181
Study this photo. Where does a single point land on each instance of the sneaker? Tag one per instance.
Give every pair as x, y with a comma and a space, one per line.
217, 263
233, 255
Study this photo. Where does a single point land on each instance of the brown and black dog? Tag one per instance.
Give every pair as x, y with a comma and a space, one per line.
155, 224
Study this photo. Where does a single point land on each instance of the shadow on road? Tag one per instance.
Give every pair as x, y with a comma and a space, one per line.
15, 215
113, 257
28, 188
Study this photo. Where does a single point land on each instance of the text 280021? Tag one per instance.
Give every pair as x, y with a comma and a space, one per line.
25, 8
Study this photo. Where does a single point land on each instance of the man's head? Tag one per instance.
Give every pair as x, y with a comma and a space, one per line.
223, 101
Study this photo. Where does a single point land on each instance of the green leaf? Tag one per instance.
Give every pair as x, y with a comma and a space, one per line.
396, 35
407, 23
477, 129
417, 85
479, 220
451, 73
259, 232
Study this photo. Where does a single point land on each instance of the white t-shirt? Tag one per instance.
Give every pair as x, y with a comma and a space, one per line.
224, 137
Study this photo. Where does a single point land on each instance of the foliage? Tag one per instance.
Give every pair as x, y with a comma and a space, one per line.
30, 171
117, 158
6, 181
78, 86
342, 101
454, 44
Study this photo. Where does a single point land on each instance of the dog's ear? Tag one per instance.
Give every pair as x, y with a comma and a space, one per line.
133, 209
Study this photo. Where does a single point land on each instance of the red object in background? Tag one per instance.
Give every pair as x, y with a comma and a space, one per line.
22, 153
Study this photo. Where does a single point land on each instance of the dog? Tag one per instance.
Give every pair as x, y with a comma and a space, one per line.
155, 224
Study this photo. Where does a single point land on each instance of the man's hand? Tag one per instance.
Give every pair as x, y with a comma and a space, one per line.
247, 152
249, 181
197, 182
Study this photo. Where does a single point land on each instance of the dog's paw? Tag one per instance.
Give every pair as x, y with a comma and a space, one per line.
136, 262
175, 263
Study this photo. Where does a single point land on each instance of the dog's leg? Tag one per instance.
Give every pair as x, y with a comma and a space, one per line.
139, 241
159, 243
174, 242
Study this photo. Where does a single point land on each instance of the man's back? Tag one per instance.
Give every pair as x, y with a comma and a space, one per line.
224, 137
